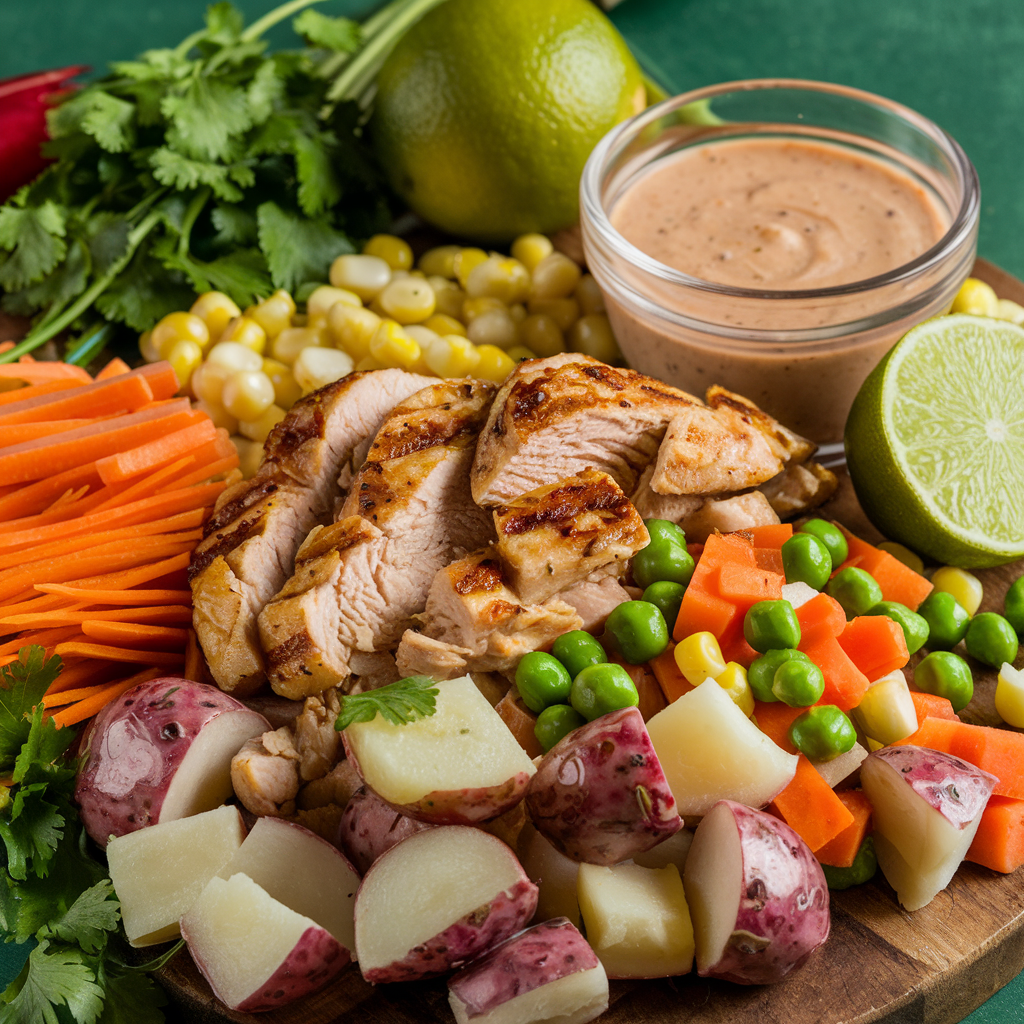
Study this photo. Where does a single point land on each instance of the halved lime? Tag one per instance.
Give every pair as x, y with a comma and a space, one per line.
935, 441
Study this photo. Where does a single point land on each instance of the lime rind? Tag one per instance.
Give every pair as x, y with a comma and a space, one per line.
952, 410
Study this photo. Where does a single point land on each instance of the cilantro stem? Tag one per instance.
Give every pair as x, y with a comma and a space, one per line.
44, 333
270, 19
202, 197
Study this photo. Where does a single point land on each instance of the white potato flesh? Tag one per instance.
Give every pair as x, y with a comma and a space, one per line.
242, 939
710, 751
554, 875
159, 871
463, 746
842, 766
324, 890
574, 999
673, 850
637, 919
425, 884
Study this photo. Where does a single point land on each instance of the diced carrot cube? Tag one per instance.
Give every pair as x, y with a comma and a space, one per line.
770, 559
931, 705
703, 611
999, 841
672, 682
845, 684
810, 807
899, 582
875, 644
771, 535
746, 585
822, 616
774, 719
735, 647
841, 851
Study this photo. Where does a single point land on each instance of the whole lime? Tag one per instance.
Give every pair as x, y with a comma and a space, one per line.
487, 110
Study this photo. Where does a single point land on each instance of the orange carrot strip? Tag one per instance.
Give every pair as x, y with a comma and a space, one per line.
134, 633
102, 398
205, 473
45, 638
83, 673
115, 368
8, 398
34, 498
132, 577
87, 650
57, 698
18, 433
842, 851
34, 460
119, 495
821, 617
931, 704
194, 665
774, 719
40, 373
158, 615
845, 684
161, 378
145, 458
999, 842
125, 597
92, 705
771, 535
811, 808
38, 603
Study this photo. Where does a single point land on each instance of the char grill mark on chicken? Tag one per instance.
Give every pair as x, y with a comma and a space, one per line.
358, 582
250, 542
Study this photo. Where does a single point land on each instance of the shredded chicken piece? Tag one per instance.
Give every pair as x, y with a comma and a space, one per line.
316, 739
336, 787
265, 774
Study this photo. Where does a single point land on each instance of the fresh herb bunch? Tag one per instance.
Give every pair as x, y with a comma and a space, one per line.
399, 703
51, 888
211, 165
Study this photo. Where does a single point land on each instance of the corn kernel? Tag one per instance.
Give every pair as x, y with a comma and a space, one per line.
500, 277
494, 364
352, 329
1006, 309
318, 305
364, 275
472, 308
259, 430
234, 356
393, 346
441, 324
448, 296
286, 390
246, 332
421, 334
555, 277
565, 312
440, 261
734, 681
394, 251
207, 382
409, 300
222, 419
400, 275
369, 363
292, 340
147, 349
964, 586
886, 712
699, 657
247, 394
589, 295
452, 356
902, 554
317, 367
1010, 695
273, 314
250, 455
520, 352
531, 249
464, 262
494, 327
518, 311
975, 297
592, 335
215, 309
540, 333
177, 327
184, 357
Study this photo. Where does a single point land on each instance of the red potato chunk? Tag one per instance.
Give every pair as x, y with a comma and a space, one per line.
161, 751
758, 898
546, 973
436, 900
369, 827
600, 795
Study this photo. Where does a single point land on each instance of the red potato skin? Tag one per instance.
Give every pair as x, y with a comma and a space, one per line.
600, 795
456, 806
464, 940
783, 915
135, 745
535, 957
370, 827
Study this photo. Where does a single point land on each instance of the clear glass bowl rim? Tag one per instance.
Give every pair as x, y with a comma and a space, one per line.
592, 209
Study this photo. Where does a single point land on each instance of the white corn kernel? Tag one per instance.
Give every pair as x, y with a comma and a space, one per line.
364, 275
394, 251
976, 297
318, 305
495, 365
1010, 695
499, 277
441, 325
494, 327
886, 712
440, 261
393, 346
208, 382
234, 356
517, 353
448, 297
177, 327
185, 356
452, 356
273, 314
147, 349
408, 300
531, 249
555, 277
464, 262
248, 394
259, 430
216, 309
964, 586
245, 331
220, 416
592, 335
317, 367
589, 295
734, 681
565, 312
286, 391
352, 329
292, 340
250, 455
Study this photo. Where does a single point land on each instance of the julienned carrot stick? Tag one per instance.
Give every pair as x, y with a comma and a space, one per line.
69, 497
18, 433
45, 638
115, 368
87, 672
193, 659
121, 597
84, 649
207, 472
31, 500
161, 378
37, 391
125, 465
92, 705
39, 603
162, 615
135, 634
37, 459
40, 373
102, 398
153, 483
132, 577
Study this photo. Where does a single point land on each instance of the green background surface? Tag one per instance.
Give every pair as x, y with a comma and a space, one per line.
960, 62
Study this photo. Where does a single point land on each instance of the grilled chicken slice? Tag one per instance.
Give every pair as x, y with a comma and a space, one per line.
554, 418
785, 445
800, 487
358, 582
595, 600
249, 544
651, 505
726, 515
557, 535
471, 608
420, 655
265, 774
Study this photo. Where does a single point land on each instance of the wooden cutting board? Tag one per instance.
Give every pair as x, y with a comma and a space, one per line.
881, 965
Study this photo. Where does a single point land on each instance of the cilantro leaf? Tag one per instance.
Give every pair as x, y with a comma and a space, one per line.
206, 117
234, 225
318, 184
339, 34
34, 236
51, 979
297, 250
108, 240
57, 288
132, 998
223, 23
89, 918
143, 293
32, 832
24, 682
181, 172
108, 120
398, 703
43, 745
265, 90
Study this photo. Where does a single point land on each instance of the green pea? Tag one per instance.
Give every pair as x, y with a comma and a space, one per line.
1013, 606
914, 626
638, 631
761, 673
856, 590
862, 870
599, 689
663, 560
665, 529
805, 559
991, 639
771, 625
822, 733
946, 675
576, 650
831, 536
798, 683
556, 722
542, 680
947, 620
668, 597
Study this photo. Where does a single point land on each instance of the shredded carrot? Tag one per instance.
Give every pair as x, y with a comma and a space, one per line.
124, 465
153, 483
134, 633
194, 668
95, 703
205, 473
163, 615
45, 638
34, 498
131, 577
161, 378
126, 597
86, 672
85, 649
115, 368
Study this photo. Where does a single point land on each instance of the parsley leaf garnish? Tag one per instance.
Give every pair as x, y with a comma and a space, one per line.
51, 979
398, 703
25, 681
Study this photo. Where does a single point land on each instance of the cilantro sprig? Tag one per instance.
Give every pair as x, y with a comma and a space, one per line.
398, 703
210, 165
